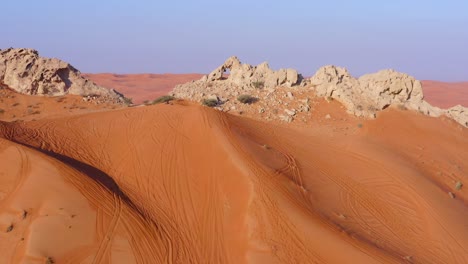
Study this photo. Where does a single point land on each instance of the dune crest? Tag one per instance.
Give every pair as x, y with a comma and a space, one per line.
185, 183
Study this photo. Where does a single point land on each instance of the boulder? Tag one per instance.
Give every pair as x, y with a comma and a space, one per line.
24, 71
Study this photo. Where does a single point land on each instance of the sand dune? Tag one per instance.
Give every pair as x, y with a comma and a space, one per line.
141, 87
445, 94
187, 184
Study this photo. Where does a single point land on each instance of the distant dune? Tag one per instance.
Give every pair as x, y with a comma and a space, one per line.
184, 183
141, 87
445, 94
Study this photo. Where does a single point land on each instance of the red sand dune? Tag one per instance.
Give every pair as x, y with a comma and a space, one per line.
187, 184
444, 94
141, 87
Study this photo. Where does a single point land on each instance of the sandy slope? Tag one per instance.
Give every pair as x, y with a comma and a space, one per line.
16, 107
444, 94
187, 184
141, 87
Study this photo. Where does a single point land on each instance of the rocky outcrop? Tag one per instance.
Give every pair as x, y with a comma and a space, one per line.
246, 75
371, 93
459, 114
24, 71
241, 78
364, 96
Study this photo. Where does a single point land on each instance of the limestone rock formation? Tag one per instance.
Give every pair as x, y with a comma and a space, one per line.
371, 93
24, 71
364, 96
245, 75
242, 78
459, 114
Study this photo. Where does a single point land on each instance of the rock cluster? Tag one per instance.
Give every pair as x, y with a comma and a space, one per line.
246, 75
370, 93
24, 71
363, 96
242, 78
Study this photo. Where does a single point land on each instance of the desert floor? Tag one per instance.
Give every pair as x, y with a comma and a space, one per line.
183, 183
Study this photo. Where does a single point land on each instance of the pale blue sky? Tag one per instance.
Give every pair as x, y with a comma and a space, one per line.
428, 39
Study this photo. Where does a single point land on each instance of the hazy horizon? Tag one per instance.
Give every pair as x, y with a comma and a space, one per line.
426, 39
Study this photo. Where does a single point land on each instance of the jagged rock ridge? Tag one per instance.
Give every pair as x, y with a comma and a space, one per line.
363, 96
245, 75
24, 71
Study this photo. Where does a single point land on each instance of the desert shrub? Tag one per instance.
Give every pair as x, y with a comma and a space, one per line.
128, 101
359, 125
15, 104
50, 260
258, 84
458, 185
210, 102
2, 111
246, 99
163, 99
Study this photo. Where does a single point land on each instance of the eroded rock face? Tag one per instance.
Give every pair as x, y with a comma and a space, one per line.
370, 93
24, 71
459, 114
364, 96
242, 78
245, 75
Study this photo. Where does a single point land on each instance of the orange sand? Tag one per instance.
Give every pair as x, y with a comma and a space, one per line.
142, 87
182, 183
444, 94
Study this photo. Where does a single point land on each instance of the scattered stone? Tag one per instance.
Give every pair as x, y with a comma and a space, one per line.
458, 185
25, 214
408, 258
451, 195
328, 116
290, 112
287, 118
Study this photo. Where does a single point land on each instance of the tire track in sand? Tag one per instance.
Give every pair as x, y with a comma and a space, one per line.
109, 234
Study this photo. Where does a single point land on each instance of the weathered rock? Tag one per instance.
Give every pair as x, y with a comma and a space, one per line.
459, 114
290, 112
24, 71
248, 76
374, 92
364, 96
